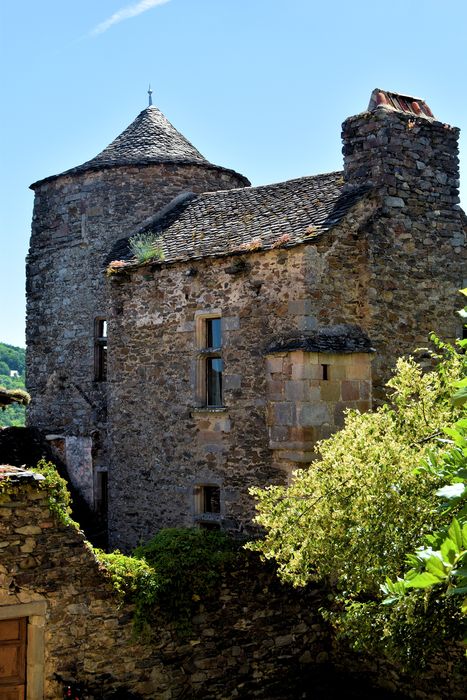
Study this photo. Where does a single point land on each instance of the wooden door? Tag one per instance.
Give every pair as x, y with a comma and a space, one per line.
13, 659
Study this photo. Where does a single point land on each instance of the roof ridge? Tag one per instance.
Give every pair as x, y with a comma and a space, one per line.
255, 188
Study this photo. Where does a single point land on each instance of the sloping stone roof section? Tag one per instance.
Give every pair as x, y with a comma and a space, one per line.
250, 219
150, 138
339, 339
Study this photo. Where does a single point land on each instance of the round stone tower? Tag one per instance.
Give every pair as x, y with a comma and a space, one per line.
78, 216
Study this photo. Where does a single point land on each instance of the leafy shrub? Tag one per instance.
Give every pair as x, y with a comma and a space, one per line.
59, 499
351, 517
134, 581
439, 566
189, 563
174, 571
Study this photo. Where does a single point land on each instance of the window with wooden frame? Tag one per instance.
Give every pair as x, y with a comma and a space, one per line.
207, 504
100, 349
210, 363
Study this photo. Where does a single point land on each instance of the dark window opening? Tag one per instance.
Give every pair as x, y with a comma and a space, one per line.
207, 500
213, 333
214, 366
102, 493
100, 350
325, 369
211, 499
213, 363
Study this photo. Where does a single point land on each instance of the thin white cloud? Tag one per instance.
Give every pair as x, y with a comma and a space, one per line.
126, 13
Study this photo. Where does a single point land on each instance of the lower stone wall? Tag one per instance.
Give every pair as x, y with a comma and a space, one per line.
257, 639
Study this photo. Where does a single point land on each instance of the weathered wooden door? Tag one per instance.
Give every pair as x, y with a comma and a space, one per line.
13, 659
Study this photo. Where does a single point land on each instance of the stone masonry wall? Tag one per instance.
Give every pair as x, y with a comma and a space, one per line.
257, 639
48, 574
163, 441
417, 253
76, 220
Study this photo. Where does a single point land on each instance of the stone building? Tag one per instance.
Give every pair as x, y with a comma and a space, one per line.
217, 364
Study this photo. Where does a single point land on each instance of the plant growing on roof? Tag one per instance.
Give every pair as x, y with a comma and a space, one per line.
146, 246
254, 244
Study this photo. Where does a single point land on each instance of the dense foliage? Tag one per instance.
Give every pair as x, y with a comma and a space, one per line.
176, 570
12, 359
59, 498
352, 517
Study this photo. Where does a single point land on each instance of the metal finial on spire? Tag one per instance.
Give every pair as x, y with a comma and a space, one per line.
150, 95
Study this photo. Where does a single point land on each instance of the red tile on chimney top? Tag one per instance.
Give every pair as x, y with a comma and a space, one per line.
400, 103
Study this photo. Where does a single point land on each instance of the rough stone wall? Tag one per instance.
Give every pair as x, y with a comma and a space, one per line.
417, 254
76, 220
257, 639
162, 439
48, 574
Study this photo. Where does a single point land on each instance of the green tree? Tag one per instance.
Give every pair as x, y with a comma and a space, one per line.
350, 519
440, 563
12, 358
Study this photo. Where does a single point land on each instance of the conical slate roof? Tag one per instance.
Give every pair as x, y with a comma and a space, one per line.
150, 138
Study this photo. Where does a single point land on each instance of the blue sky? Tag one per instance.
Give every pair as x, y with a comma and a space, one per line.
259, 86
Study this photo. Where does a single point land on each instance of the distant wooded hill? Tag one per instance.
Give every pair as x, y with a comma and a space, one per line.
12, 360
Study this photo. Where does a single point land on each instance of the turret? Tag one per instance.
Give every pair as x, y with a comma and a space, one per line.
78, 216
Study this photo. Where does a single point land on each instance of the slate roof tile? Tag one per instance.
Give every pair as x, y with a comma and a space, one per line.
149, 137
243, 220
342, 338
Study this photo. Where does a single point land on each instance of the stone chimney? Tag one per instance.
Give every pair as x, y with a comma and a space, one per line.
400, 149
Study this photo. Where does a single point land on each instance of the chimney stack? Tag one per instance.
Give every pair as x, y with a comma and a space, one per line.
400, 149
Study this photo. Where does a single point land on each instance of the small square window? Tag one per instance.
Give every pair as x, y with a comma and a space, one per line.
207, 499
